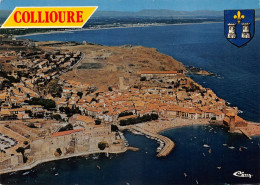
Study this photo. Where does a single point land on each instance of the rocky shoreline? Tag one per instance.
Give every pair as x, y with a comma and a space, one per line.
38, 162
191, 70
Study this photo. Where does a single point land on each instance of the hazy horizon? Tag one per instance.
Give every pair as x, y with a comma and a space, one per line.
138, 5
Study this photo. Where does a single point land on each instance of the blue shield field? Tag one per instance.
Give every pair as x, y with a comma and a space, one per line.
239, 26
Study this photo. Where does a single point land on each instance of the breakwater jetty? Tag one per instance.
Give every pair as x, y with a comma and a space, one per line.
165, 148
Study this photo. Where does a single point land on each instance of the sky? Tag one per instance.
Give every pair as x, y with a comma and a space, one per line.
136, 5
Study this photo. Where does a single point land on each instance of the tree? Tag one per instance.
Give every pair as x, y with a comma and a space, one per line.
80, 94
54, 88
110, 88
97, 122
21, 150
140, 119
58, 150
56, 116
122, 114
66, 128
102, 145
114, 128
69, 111
154, 116
46, 103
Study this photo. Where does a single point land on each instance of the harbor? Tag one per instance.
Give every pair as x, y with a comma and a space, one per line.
166, 145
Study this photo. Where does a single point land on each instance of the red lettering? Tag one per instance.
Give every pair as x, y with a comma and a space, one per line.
70, 16
60, 16
26, 17
40, 17
47, 16
32, 16
53, 18
15, 17
79, 16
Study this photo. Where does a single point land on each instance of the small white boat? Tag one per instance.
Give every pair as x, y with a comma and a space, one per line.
240, 111
231, 147
95, 157
204, 155
56, 174
244, 147
25, 173
197, 181
185, 174
224, 144
206, 146
98, 167
219, 167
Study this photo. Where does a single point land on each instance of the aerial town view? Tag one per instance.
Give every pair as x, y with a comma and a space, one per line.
66, 97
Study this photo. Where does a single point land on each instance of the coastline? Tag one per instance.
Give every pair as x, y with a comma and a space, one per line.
38, 162
153, 130
165, 125
120, 27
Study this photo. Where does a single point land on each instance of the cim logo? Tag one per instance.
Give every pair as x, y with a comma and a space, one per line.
49, 17
242, 174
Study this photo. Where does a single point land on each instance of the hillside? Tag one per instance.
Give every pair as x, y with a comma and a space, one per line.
103, 66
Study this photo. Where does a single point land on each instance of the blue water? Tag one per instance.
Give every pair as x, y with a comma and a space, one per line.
200, 45
143, 167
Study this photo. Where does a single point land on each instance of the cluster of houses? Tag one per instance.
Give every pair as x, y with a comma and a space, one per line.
29, 72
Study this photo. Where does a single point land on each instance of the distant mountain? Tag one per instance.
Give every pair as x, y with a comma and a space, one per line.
4, 14
165, 13
160, 13
150, 13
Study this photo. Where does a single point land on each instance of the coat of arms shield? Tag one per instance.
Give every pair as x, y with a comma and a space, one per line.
239, 26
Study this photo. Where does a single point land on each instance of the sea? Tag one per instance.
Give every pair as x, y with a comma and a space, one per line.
237, 81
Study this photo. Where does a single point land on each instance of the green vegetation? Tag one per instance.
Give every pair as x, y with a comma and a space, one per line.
54, 88
80, 94
66, 128
102, 145
58, 150
110, 88
56, 116
114, 128
31, 125
140, 119
97, 122
122, 114
22, 150
70, 111
46, 103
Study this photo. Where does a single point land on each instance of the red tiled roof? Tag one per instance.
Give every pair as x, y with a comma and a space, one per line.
66, 132
158, 72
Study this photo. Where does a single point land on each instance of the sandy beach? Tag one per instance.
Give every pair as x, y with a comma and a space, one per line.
104, 28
